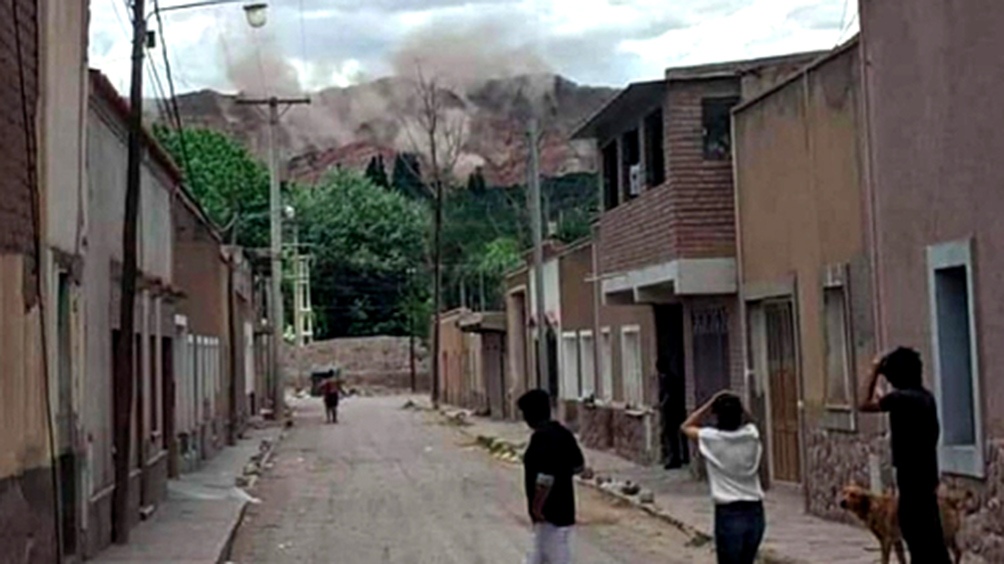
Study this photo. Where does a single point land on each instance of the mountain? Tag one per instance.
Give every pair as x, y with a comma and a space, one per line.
348, 126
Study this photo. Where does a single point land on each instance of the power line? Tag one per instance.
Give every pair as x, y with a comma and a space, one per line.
174, 98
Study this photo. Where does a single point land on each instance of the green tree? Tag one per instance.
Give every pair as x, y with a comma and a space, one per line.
367, 242
226, 179
376, 173
406, 177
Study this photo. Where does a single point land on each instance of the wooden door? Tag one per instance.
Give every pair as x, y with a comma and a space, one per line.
782, 373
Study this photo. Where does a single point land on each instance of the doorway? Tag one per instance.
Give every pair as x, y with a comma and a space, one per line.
672, 384
783, 391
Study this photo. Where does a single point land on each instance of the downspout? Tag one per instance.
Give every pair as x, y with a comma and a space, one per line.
803, 459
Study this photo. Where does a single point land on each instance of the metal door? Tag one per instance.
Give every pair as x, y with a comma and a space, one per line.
782, 372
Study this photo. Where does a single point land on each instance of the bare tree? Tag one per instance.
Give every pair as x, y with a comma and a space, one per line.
437, 130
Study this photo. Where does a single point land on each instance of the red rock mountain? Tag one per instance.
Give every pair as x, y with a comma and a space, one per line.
348, 126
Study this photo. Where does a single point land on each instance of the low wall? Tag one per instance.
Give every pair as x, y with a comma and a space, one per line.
632, 435
382, 362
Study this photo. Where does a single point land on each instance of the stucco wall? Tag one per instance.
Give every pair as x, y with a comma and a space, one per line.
933, 69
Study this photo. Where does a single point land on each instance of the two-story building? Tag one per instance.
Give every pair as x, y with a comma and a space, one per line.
666, 237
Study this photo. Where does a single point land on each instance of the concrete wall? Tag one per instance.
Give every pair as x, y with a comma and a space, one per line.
800, 184
932, 69
106, 158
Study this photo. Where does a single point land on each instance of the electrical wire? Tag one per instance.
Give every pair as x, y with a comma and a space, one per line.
174, 98
36, 212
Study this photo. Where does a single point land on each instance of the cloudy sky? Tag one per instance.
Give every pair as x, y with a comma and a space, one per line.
311, 44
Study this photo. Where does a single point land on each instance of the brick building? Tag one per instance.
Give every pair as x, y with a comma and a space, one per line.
666, 235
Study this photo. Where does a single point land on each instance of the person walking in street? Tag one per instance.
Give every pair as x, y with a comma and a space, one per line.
732, 451
914, 426
332, 391
550, 462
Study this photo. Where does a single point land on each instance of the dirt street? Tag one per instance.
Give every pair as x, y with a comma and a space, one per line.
393, 486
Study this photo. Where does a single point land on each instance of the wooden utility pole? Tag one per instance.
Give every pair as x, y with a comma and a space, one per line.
275, 215
123, 373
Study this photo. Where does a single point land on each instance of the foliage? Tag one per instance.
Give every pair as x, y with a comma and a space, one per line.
369, 246
227, 180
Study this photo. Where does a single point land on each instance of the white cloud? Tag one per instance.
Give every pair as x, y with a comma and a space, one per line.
594, 41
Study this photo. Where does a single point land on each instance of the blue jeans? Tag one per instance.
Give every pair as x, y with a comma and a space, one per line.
739, 528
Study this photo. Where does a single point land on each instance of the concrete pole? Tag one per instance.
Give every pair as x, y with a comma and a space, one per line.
275, 216
536, 219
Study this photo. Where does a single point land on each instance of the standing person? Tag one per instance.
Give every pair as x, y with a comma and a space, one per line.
914, 426
732, 450
549, 463
674, 411
332, 394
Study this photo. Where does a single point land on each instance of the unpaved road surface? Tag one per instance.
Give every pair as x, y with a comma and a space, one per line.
388, 485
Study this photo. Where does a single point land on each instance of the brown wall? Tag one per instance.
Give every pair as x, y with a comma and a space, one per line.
800, 175
932, 77
364, 361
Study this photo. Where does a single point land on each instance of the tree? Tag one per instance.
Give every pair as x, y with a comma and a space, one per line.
407, 177
437, 135
364, 240
226, 179
376, 173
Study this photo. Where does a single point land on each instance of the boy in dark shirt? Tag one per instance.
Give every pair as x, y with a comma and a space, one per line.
913, 420
549, 463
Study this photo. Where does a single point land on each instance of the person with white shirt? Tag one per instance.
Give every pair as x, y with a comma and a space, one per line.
732, 451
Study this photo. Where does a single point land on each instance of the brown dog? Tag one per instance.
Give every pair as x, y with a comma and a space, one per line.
879, 514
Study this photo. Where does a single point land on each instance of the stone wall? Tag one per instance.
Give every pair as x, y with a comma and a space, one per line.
634, 436
366, 361
835, 459
596, 427
983, 527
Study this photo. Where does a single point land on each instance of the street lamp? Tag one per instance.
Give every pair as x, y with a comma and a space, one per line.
257, 14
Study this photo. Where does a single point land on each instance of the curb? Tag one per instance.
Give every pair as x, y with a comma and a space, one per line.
698, 537
266, 457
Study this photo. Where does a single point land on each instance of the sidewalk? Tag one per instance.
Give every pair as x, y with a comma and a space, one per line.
196, 523
792, 535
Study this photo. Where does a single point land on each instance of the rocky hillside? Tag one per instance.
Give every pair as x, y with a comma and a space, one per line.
348, 126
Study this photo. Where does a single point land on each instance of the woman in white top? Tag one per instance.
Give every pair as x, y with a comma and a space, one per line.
732, 450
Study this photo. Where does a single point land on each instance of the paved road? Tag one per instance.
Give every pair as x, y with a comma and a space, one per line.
393, 486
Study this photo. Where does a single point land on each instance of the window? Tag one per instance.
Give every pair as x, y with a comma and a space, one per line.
611, 176
606, 365
655, 164
956, 367
569, 365
631, 366
716, 119
587, 363
631, 153
838, 387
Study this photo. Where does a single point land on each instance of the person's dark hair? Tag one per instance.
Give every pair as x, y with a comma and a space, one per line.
903, 368
535, 405
728, 410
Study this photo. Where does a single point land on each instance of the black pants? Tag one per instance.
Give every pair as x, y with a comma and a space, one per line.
739, 528
920, 522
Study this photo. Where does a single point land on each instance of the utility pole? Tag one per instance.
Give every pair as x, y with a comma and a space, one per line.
411, 329
302, 311
123, 375
275, 216
543, 364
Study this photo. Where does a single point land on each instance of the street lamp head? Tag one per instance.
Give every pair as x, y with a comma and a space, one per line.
257, 14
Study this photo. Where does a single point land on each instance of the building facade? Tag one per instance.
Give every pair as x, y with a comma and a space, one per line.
666, 236
934, 203
806, 279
